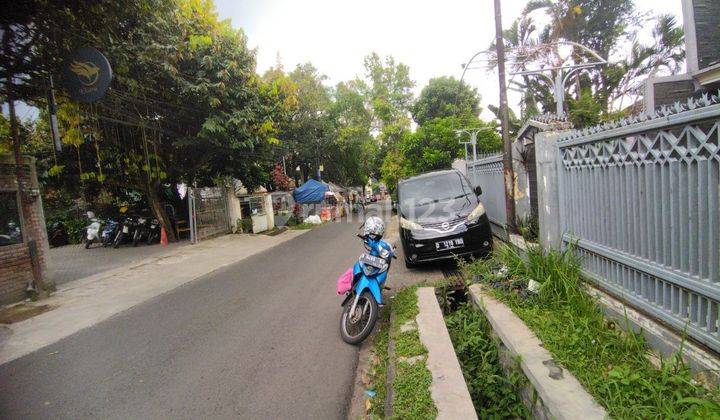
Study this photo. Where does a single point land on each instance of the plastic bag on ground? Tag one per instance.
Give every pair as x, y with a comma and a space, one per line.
314, 219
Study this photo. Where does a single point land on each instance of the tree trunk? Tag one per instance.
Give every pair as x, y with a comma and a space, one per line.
159, 211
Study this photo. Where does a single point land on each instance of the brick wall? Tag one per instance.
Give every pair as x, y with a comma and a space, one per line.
15, 266
15, 272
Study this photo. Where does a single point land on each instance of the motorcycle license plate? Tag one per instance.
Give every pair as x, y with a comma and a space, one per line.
372, 261
449, 244
126, 229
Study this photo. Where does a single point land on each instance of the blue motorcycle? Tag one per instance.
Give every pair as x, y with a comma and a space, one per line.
361, 303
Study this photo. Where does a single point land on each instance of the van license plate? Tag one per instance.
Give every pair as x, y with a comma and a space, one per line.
449, 244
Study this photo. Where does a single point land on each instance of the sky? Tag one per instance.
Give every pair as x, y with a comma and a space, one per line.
432, 37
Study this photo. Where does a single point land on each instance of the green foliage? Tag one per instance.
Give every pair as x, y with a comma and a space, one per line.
609, 361
388, 89
433, 146
407, 344
610, 27
412, 398
379, 367
585, 111
246, 225
445, 97
493, 394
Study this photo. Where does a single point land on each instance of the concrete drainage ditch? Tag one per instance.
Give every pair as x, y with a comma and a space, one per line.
507, 371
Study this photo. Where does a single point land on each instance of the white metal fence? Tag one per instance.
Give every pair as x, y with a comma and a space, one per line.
639, 198
487, 172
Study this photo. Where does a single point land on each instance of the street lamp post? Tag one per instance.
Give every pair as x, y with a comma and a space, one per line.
562, 73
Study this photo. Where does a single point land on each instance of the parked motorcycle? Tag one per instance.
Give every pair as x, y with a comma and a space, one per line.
127, 230
109, 232
57, 234
154, 232
12, 235
364, 283
92, 231
147, 230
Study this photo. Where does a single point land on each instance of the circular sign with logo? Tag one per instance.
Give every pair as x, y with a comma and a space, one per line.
87, 75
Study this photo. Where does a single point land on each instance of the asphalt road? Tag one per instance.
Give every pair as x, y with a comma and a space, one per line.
257, 339
72, 262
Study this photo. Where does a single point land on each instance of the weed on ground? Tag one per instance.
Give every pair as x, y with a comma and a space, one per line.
493, 394
608, 360
379, 370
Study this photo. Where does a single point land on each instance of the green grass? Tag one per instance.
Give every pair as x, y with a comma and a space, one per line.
378, 372
407, 344
411, 383
493, 394
411, 386
411, 389
609, 361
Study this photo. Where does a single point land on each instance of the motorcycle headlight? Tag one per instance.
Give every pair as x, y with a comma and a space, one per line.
369, 270
474, 215
409, 224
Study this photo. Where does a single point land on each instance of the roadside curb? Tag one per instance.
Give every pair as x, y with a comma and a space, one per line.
558, 394
448, 388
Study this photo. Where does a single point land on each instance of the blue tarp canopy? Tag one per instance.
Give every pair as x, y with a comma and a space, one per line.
311, 191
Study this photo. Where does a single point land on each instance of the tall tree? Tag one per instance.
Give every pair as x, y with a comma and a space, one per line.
309, 131
388, 91
185, 103
445, 97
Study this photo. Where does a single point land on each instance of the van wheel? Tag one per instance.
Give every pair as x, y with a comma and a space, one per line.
409, 264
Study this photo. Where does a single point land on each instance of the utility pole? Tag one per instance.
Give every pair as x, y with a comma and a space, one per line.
508, 172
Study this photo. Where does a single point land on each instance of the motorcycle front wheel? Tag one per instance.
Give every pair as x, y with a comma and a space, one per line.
118, 239
355, 327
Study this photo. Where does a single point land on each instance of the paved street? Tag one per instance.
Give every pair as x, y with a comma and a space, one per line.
256, 339
72, 262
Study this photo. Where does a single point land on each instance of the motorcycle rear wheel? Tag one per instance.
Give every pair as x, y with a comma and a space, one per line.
357, 327
88, 242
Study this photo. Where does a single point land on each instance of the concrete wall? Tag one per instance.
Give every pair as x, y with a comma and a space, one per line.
707, 31
550, 233
234, 209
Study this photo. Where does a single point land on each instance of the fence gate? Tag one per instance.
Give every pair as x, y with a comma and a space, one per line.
208, 211
639, 198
